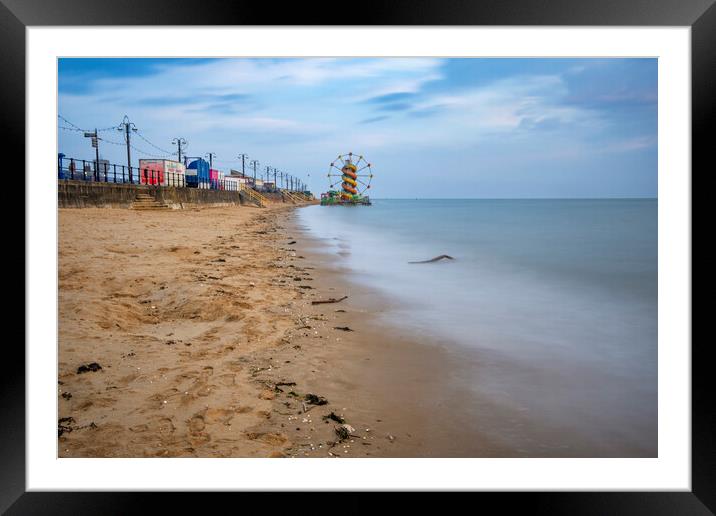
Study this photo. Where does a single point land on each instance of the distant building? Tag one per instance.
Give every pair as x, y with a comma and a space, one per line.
233, 183
236, 173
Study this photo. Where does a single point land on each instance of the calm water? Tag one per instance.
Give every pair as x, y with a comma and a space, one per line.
552, 304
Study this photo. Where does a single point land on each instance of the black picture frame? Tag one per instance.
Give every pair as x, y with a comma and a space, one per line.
700, 15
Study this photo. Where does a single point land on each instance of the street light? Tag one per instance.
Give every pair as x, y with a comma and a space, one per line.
125, 126
243, 157
254, 163
179, 142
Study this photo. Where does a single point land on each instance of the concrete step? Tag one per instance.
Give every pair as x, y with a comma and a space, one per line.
160, 207
144, 201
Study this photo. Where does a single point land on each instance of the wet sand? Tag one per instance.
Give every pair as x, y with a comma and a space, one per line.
202, 323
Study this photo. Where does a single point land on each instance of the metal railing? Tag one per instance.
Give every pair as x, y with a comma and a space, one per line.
103, 172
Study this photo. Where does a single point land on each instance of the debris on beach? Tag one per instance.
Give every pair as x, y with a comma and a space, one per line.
86, 368
63, 425
436, 259
66, 395
342, 328
334, 417
344, 432
288, 384
313, 399
330, 300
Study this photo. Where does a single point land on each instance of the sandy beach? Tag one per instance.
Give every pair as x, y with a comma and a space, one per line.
208, 345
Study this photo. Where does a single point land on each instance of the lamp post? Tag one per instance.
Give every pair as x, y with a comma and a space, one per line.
254, 163
211, 156
126, 126
244, 157
179, 142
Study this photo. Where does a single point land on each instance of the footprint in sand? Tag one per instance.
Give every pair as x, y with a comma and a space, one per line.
219, 415
227, 379
197, 423
96, 402
164, 425
234, 365
267, 438
204, 390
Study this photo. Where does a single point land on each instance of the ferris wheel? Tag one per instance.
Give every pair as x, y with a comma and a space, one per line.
352, 172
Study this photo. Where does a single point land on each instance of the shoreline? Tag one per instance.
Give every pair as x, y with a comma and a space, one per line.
207, 350
208, 344
397, 382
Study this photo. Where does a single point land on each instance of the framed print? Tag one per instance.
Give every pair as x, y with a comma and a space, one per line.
447, 248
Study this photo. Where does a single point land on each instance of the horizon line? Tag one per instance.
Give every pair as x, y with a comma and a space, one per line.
513, 198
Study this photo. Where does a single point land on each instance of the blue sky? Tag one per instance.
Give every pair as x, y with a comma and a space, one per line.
490, 128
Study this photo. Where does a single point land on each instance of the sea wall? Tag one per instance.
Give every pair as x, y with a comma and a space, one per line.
81, 194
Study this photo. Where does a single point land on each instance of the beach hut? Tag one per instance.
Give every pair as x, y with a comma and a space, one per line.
197, 174
233, 183
214, 179
164, 172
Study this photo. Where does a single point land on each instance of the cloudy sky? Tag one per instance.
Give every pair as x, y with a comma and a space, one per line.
431, 127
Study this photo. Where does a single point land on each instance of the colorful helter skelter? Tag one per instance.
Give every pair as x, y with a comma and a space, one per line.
354, 175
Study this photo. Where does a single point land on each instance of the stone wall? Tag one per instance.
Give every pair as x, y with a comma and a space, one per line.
82, 194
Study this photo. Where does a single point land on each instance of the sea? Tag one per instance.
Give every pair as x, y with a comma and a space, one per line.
551, 302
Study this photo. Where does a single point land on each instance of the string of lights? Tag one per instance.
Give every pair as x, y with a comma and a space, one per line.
105, 140
77, 128
70, 128
168, 153
163, 156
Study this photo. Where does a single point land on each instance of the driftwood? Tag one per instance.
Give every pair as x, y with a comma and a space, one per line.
331, 300
436, 259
